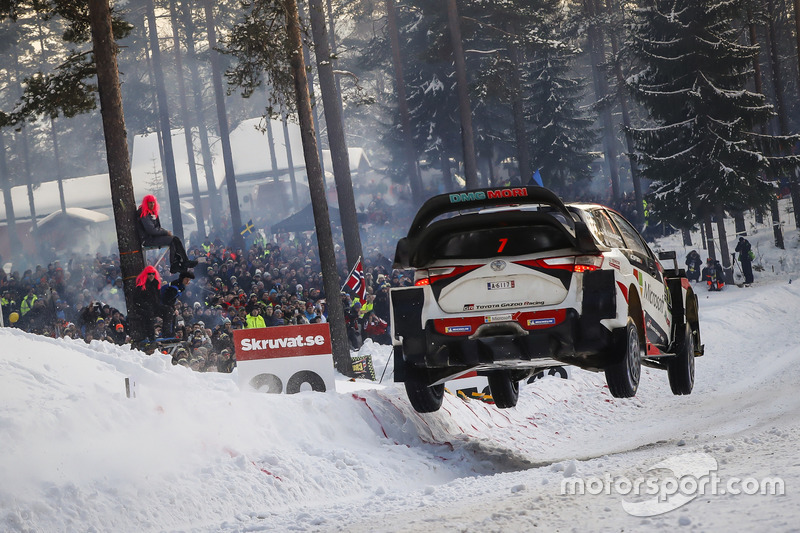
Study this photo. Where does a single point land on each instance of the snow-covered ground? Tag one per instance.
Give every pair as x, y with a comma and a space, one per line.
191, 452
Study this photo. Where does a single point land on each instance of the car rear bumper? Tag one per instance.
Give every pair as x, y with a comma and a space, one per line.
571, 341
450, 345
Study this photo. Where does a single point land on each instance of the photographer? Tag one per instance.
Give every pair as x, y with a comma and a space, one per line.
89, 315
375, 328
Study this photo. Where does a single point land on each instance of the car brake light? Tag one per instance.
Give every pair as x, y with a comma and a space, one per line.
579, 263
588, 263
432, 275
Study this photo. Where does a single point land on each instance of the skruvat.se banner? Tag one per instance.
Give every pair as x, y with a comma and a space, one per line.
285, 358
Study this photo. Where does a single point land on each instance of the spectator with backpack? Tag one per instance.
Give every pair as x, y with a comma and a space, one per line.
713, 275
746, 257
694, 264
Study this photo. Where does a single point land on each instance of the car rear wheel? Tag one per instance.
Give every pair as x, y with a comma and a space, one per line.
424, 397
504, 389
681, 366
623, 376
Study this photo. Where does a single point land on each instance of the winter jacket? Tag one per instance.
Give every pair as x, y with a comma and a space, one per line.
743, 247
149, 226
27, 304
171, 292
255, 321
147, 295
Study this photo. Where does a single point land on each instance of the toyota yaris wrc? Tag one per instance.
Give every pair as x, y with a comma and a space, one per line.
511, 281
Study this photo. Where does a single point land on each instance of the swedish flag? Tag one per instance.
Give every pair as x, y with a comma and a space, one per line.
248, 228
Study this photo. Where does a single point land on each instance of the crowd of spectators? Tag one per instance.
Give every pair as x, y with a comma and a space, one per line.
273, 281
277, 279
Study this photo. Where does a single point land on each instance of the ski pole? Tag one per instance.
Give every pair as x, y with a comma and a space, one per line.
733, 256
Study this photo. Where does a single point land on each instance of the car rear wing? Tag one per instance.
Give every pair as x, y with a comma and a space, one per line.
478, 198
421, 228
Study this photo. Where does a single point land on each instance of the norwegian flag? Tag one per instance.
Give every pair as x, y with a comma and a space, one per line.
355, 281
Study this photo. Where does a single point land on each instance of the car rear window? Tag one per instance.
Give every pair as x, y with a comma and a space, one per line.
494, 242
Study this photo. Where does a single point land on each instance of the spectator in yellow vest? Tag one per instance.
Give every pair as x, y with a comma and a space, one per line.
27, 302
254, 319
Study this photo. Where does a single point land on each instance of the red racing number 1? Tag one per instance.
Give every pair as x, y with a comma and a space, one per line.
502, 245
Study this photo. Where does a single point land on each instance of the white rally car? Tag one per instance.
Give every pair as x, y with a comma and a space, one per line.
511, 281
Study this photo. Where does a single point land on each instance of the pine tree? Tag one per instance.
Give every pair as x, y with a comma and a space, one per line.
561, 133
702, 154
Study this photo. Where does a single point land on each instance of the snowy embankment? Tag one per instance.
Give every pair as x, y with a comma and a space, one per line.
193, 452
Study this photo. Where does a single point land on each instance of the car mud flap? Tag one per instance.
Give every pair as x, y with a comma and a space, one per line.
399, 365
599, 295
599, 302
678, 313
407, 315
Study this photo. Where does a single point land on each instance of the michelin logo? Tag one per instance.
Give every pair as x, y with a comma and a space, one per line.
541, 321
457, 329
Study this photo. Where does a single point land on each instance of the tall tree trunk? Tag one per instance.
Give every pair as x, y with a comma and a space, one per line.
26, 162
601, 92
727, 265
273, 159
334, 48
741, 228
777, 231
703, 234
188, 125
777, 228
518, 109
290, 162
686, 233
224, 132
794, 186
312, 95
622, 98
412, 164
154, 103
57, 158
447, 172
319, 202
710, 248
11, 220
53, 129
796, 4
464, 106
163, 119
119, 167
336, 138
214, 199
23, 139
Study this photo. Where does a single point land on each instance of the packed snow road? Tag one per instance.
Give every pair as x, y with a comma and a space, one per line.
743, 417
191, 452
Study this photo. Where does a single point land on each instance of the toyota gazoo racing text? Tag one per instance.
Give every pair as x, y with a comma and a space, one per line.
511, 281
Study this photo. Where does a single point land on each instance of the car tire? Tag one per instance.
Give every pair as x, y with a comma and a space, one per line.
504, 389
681, 365
424, 397
623, 376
